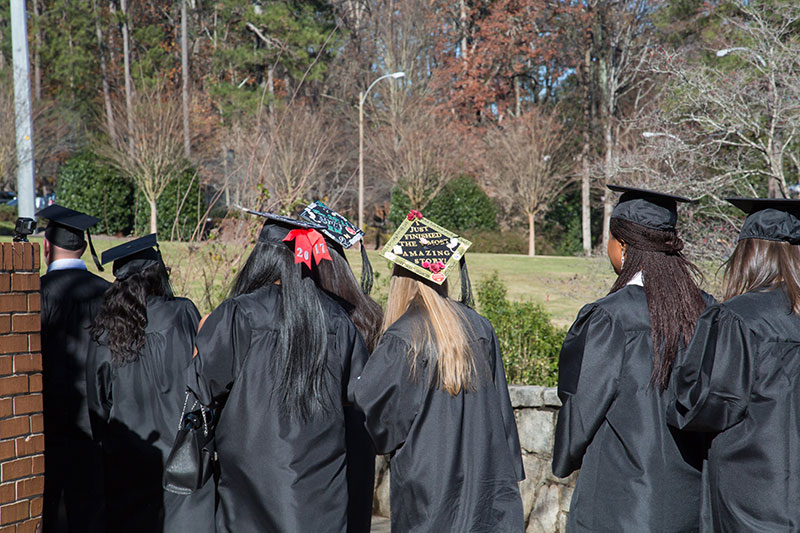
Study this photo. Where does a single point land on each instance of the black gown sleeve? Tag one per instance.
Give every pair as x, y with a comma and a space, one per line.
712, 380
588, 372
387, 393
222, 344
506, 410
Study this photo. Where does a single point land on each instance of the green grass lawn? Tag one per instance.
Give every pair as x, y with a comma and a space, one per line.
561, 284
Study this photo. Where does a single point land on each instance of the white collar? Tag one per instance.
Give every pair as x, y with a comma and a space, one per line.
66, 264
636, 280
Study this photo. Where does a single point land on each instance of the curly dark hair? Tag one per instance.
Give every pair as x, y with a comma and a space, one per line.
124, 313
674, 300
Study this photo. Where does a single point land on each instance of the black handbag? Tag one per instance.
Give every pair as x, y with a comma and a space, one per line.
192, 460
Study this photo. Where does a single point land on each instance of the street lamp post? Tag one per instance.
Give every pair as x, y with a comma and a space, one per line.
362, 96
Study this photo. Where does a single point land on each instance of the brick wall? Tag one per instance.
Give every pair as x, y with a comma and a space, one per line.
21, 424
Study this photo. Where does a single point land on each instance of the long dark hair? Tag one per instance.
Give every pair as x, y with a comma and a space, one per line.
674, 300
300, 365
337, 278
124, 312
759, 264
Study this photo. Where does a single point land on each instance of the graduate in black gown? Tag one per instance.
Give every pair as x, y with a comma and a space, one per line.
739, 380
637, 473
275, 360
71, 296
137, 380
435, 396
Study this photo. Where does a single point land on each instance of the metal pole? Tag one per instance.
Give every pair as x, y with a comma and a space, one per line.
22, 111
361, 161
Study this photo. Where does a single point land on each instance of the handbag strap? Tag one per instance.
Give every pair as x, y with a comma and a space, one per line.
183, 413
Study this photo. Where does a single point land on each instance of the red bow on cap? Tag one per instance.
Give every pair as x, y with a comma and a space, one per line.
308, 243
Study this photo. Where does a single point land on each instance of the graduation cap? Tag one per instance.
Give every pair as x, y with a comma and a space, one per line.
429, 251
65, 229
651, 209
133, 256
343, 233
308, 241
771, 219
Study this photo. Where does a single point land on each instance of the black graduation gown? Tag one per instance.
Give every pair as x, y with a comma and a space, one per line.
456, 459
142, 403
276, 473
73, 461
637, 473
741, 377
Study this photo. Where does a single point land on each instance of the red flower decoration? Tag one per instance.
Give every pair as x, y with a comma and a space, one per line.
433, 267
414, 214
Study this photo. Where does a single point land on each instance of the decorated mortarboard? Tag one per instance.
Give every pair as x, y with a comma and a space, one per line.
343, 233
308, 241
651, 209
133, 256
66, 226
429, 251
771, 219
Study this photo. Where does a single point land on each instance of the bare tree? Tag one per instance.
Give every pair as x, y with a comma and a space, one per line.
148, 148
526, 164
738, 109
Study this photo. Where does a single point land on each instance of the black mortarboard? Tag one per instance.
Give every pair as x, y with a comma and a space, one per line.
65, 229
133, 256
429, 251
651, 209
277, 227
771, 219
342, 233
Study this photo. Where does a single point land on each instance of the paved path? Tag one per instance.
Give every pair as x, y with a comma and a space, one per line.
380, 525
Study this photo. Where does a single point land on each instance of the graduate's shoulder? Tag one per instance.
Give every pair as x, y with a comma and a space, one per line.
73, 283
627, 307
166, 313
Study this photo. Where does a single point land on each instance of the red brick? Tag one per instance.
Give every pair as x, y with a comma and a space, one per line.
36, 506
6, 407
37, 423
16, 254
13, 385
25, 323
34, 342
6, 365
5, 282
8, 529
8, 260
13, 302
13, 344
27, 363
34, 302
36, 257
29, 403
30, 487
31, 526
24, 282
35, 382
14, 512
5, 324
17, 469
38, 464
8, 492
27, 256
7, 450
13, 427
30, 445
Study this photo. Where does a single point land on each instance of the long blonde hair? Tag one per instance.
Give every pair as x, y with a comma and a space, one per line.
444, 333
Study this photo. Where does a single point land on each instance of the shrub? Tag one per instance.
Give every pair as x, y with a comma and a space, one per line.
529, 342
8, 213
88, 185
497, 242
180, 207
461, 205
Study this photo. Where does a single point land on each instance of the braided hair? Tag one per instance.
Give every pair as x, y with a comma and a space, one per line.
674, 300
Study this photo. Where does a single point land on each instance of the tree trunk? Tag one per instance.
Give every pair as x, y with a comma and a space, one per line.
187, 137
608, 171
37, 53
153, 215
126, 52
531, 236
586, 211
104, 73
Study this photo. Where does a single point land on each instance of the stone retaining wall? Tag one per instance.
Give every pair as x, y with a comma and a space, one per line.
545, 498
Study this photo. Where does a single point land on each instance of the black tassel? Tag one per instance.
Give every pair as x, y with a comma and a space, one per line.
466, 285
366, 271
94, 254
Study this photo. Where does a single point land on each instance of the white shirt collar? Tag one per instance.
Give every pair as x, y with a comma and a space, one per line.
66, 264
636, 279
